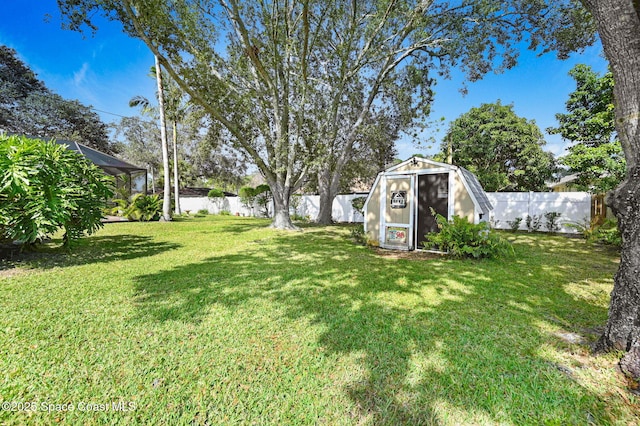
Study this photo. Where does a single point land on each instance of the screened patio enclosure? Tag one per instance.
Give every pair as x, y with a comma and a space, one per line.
128, 176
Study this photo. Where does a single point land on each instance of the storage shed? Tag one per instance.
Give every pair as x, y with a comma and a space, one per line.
397, 211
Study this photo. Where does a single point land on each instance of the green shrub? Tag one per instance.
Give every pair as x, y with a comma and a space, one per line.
216, 193
533, 222
461, 238
358, 203
203, 212
45, 187
148, 207
552, 221
263, 198
294, 203
515, 224
299, 218
608, 233
594, 232
224, 213
143, 208
584, 227
357, 233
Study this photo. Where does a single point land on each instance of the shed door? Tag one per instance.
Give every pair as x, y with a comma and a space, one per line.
433, 191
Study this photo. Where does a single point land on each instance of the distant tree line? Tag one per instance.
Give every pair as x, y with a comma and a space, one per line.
28, 107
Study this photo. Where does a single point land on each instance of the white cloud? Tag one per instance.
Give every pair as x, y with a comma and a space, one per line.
80, 75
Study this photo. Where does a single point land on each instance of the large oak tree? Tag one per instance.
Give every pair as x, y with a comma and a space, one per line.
293, 82
259, 67
618, 23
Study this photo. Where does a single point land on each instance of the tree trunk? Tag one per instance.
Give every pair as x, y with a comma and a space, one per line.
618, 24
328, 192
622, 331
176, 179
166, 203
281, 217
153, 181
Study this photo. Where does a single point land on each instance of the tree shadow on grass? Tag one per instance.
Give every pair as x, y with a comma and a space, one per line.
92, 249
437, 338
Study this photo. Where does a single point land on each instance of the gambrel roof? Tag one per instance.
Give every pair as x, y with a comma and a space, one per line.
470, 181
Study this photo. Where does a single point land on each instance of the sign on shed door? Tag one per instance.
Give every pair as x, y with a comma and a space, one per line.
433, 191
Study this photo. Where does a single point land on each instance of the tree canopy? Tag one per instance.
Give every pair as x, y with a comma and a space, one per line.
505, 151
293, 83
589, 123
590, 112
28, 107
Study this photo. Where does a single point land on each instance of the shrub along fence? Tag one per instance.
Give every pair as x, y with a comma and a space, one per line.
308, 206
572, 206
508, 206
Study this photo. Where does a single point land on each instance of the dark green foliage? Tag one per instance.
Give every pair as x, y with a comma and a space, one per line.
148, 207
608, 233
260, 189
143, 208
45, 187
600, 168
358, 203
603, 233
590, 110
461, 238
596, 155
503, 150
515, 223
534, 222
552, 221
299, 218
216, 193
203, 212
27, 107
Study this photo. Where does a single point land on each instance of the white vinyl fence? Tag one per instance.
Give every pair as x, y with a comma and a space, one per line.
308, 206
215, 205
572, 206
342, 210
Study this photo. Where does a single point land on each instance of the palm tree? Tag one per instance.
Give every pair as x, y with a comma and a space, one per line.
166, 203
174, 108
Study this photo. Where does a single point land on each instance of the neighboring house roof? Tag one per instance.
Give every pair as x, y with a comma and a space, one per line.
108, 163
565, 180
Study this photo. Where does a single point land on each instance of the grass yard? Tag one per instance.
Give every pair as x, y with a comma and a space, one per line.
218, 320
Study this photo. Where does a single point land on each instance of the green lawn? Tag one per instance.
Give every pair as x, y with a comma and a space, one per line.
219, 320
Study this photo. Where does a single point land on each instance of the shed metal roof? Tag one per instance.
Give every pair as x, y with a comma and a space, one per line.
469, 179
477, 190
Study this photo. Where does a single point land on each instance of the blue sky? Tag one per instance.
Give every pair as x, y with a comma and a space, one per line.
108, 69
